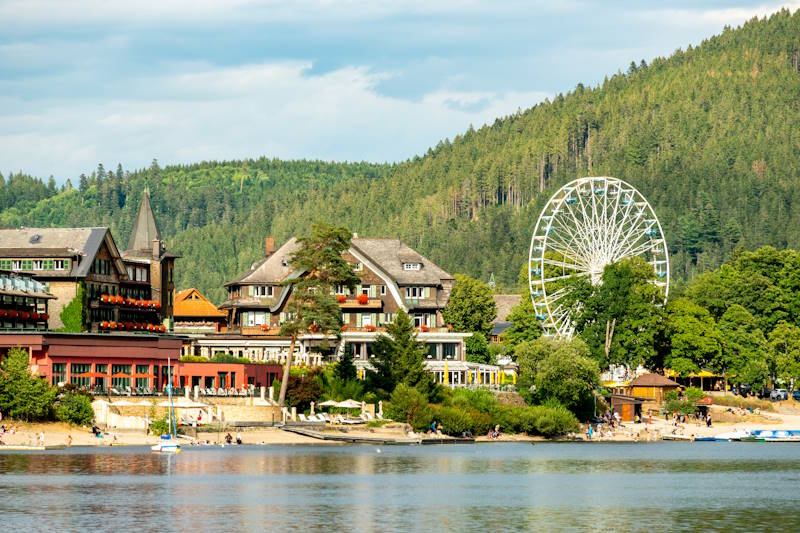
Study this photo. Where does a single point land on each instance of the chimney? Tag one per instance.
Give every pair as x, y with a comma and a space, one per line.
269, 246
156, 249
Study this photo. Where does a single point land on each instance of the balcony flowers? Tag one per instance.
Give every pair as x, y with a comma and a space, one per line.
341, 298
363, 299
369, 327
424, 328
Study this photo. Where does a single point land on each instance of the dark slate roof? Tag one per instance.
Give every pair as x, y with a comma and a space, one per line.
56, 242
390, 255
145, 230
500, 327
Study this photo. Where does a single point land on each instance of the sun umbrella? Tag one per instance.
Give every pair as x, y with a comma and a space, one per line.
446, 374
91, 375
349, 404
144, 375
144, 402
327, 403
469, 376
122, 403
120, 375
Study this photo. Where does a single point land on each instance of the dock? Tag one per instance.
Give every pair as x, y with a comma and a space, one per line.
351, 439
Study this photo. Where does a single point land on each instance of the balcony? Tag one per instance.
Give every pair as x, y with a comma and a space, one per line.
360, 302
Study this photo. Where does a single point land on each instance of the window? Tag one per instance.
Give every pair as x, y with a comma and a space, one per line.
365, 289
130, 272
448, 350
78, 369
432, 352
37, 264
341, 289
142, 369
419, 320
121, 370
16, 264
412, 266
366, 319
264, 291
61, 264
383, 290
47, 264
59, 373
414, 292
358, 267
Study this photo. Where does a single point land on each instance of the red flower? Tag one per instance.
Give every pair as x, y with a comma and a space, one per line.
344, 327
341, 298
363, 299
44, 316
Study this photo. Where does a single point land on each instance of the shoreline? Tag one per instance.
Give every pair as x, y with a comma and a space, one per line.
61, 435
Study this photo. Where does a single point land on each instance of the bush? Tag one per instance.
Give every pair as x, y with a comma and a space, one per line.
456, 420
74, 408
547, 421
481, 400
302, 390
409, 405
160, 426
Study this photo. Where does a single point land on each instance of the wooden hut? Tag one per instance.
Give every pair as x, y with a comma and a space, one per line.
653, 387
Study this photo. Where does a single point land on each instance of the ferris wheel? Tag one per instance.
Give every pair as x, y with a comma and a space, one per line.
587, 224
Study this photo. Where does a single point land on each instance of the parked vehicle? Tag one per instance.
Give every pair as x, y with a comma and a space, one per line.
779, 394
796, 395
743, 390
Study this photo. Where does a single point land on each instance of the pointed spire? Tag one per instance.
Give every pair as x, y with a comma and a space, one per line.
145, 230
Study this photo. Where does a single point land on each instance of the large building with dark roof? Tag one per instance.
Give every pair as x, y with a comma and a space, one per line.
114, 290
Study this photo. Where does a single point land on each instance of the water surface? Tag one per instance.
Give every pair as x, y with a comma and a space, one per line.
481, 487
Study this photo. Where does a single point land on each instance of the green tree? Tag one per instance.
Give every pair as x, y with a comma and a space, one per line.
471, 307
524, 325
400, 358
626, 299
320, 266
345, 368
784, 348
694, 339
743, 346
23, 395
569, 376
478, 349
409, 405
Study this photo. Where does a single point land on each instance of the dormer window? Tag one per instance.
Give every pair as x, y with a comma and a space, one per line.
412, 266
358, 267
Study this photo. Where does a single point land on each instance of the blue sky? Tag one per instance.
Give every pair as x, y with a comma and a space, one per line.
190, 80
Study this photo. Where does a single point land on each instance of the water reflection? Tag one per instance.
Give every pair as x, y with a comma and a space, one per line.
670, 486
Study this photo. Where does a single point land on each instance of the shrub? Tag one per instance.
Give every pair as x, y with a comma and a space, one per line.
74, 408
407, 404
303, 390
480, 399
159, 426
456, 420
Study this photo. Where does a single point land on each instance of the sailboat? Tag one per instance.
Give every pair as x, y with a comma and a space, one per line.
169, 443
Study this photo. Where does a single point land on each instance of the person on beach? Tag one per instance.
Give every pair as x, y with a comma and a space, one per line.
40, 440
238, 438
69, 441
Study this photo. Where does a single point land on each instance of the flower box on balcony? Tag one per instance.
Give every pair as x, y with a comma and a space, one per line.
423, 328
344, 327
363, 299
341, 298
369, 327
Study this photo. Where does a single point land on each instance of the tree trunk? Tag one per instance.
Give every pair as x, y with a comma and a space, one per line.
286, 368
609, 336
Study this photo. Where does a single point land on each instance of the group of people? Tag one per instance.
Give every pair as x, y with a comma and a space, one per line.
229, 438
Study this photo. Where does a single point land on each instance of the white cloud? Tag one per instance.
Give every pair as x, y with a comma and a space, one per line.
272, 109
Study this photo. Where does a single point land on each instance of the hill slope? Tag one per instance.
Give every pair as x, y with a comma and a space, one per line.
710, 135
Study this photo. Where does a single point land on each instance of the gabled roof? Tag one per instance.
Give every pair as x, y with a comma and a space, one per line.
270, 270
192, 303
391, 254
653, 380
504, 303
145, 230
59, 242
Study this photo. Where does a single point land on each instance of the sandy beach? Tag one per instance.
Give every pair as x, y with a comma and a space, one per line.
58, 434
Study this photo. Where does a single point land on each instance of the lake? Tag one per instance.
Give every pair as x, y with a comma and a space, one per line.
480, 487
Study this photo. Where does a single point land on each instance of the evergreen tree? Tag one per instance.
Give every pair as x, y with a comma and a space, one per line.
345, 368
313, 307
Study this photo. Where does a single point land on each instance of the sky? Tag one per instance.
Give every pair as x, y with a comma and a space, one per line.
183, 81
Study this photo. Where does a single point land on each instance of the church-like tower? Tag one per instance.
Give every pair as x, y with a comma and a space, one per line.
146, 248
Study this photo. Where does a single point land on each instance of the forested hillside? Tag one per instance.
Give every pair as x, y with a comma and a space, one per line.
710, 135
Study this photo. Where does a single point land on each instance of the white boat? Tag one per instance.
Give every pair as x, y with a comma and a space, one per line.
736, 434
169, 442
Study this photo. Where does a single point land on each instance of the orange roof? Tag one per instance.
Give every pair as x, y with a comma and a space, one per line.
191, 303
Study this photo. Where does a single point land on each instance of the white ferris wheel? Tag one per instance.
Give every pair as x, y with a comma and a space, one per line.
587, 224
